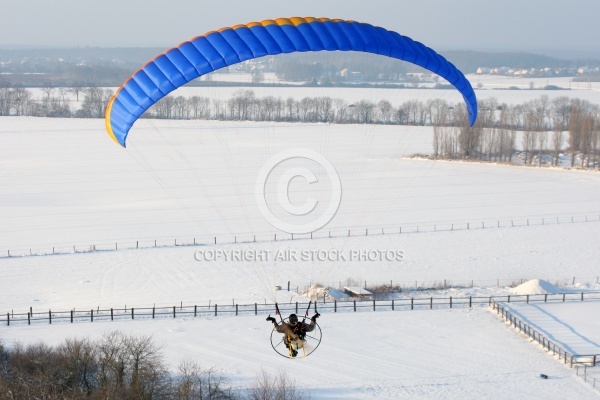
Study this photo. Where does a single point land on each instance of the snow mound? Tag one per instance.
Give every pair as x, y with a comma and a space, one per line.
315, 292
536, 286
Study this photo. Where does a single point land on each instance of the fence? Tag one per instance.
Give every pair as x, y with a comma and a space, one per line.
265, 237
581, 371
547, 344
324, 305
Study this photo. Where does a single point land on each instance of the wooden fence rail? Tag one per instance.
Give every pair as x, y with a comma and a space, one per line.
323, 305
547, 344
582, 372
208, 240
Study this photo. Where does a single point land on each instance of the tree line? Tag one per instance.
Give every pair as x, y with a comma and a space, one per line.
543, 127
120, 366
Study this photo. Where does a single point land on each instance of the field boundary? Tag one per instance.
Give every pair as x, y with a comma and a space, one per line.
212, 240
548, 345
323, 305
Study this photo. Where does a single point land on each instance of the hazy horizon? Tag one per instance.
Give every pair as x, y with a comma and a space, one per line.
533, 26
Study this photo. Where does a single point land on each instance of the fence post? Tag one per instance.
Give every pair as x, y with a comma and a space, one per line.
450, 301
49, 317
335, 305
215, 309
8, 319
527, 299
412, 303
392, 304
255, 309
111, 314
236, 309
195, 310
92, 315
28, 319
581, 296
373, 304
71, 317
132, 314
175, 308
545, 297
153, 311
354, 305
431, 303
470, 301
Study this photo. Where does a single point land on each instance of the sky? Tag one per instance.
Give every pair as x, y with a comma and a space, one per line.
447, 25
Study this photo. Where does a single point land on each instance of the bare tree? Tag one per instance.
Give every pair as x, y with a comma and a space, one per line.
279, 387
561, 112
306, 108
557, 142
164, 108
199, 107
181, 108
76, 89
506, 134
385, 110
576, 129
48, 89
542, 139
94, 102
595, 141
324, 110
469, 138
529, 139
365, 111
197, 383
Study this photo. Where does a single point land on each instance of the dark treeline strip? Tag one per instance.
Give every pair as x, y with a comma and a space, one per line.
120, 366
547, 126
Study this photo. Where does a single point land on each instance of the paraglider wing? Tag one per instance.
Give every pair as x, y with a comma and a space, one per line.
227, 46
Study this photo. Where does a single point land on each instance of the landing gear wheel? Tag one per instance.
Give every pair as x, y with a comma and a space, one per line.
312, 340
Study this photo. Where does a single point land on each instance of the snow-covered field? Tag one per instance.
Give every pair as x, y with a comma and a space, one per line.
65, 184
508, 90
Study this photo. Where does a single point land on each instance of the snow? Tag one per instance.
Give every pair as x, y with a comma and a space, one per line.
485, 86
536, 286
482, 229
562, 323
